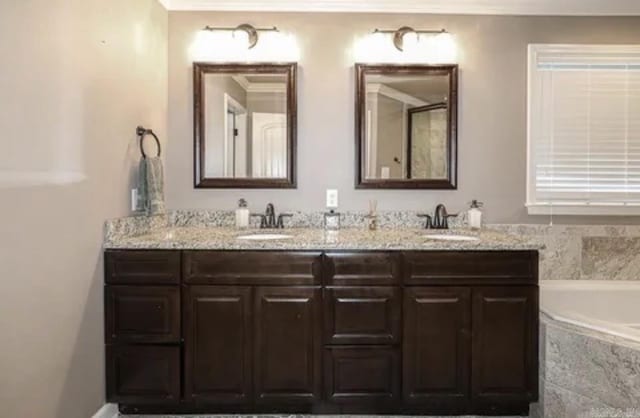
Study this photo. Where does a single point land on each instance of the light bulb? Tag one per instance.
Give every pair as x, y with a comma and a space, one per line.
410, 42
241, 38
202, 45
446, 48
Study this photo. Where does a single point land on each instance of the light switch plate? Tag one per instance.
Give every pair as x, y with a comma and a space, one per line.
332, 198
134, 200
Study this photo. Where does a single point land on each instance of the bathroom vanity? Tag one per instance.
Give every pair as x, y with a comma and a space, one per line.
398, 331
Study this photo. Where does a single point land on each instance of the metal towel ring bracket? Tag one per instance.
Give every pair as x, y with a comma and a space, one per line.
142, 132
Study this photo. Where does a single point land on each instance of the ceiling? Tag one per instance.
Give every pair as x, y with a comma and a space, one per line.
483, 7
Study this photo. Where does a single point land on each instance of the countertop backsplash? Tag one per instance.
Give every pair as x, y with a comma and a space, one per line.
572, 252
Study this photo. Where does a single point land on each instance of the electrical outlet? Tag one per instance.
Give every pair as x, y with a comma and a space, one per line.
332, 198
134, 200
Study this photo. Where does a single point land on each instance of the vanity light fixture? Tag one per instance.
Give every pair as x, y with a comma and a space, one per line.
399, 35
244, 30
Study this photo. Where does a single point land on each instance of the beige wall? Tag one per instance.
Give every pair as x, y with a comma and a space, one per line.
76, 78
492, 127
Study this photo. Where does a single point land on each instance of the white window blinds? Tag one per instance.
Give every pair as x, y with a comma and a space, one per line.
584, 127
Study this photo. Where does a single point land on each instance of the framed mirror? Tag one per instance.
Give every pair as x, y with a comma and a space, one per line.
406, 126
245, 125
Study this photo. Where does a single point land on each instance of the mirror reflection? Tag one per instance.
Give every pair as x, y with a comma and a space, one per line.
406, 126
245, 125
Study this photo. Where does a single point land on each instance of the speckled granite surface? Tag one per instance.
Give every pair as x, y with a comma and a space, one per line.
571, 252
225, 238
586, 373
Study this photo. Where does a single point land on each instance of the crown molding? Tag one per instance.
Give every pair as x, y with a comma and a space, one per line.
250, 87
394, 94
473, 7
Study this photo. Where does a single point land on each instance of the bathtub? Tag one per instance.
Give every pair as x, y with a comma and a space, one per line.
589, 349
610, 307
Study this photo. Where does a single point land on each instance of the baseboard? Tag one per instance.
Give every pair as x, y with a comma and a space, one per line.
109, 410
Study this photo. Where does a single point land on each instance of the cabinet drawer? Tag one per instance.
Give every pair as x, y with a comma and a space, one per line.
362, 315
362, 268
474, 267
143, 314
143, 374
142, 267
253, 267
362, 374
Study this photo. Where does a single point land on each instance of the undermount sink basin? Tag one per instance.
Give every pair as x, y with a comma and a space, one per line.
445, 237
264, 237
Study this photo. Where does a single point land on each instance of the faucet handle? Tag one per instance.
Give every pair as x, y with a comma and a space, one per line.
428, 224
280, 223
263, 219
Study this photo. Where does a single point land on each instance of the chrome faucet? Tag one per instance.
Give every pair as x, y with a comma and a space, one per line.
439, 220
269, 219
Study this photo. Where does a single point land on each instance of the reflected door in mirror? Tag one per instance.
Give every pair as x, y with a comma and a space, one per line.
246, 125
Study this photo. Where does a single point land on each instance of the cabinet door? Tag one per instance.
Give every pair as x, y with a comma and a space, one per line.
288, 345
505, 341
436, 348
218, 342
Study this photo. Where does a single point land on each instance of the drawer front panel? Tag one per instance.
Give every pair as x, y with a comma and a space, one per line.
362, 268
142, 267
362, 315
142, 314
362, 374
143, 374
443, 267
253, 267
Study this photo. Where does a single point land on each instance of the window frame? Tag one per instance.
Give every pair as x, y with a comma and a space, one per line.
533, 206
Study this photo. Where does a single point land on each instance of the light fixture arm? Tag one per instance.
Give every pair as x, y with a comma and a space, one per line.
250, 30
398, 34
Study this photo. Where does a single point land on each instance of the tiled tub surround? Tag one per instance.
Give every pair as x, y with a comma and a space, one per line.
586, 373
589, 349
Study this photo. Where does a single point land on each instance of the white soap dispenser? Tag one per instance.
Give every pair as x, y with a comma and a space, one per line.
474, 215
242, 215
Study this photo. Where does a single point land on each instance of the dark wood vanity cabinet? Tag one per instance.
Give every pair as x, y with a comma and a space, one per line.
335, 332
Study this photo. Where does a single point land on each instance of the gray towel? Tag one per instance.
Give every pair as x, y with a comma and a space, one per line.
151, 186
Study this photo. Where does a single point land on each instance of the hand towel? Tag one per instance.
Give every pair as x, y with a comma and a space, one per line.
151, 186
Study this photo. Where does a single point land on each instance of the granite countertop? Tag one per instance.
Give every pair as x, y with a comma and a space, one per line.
225, 238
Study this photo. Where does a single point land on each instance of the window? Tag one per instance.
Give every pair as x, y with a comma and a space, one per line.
584, 129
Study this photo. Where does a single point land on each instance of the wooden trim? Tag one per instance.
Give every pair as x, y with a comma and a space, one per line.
361, 70
202, 182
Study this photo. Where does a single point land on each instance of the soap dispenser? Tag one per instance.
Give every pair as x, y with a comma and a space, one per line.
474, 215
242, 215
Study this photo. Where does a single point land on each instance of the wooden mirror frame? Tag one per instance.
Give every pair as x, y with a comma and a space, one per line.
200, 69
450, 70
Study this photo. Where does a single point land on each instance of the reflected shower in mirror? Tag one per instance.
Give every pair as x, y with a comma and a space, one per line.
406, 126
246, 125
